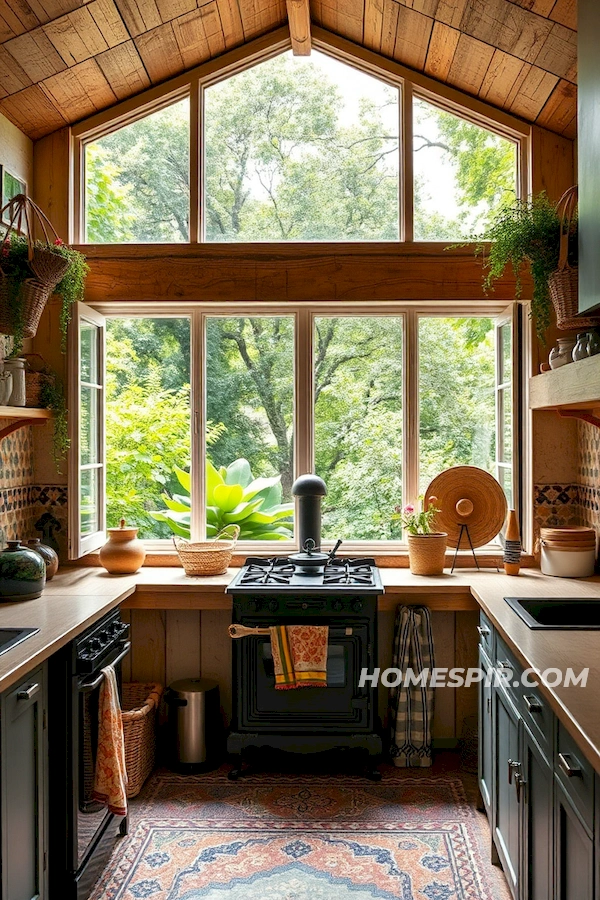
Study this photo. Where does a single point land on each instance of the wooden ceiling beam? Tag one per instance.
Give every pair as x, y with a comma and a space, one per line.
299, 20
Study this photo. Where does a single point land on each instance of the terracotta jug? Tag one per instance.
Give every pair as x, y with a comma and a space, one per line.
123, 553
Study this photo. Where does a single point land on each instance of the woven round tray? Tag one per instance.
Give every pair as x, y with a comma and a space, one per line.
208, 557
481, 491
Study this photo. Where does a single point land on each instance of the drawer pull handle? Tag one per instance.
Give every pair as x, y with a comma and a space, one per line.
505, 665
519, 785
483, 631
532, 704
28, 693
512, 767
571, 771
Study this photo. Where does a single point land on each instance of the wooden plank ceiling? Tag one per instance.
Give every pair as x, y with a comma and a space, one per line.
61, 60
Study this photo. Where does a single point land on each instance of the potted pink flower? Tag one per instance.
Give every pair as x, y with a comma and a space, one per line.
426, 547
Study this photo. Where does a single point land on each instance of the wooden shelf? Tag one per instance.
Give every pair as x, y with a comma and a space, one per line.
573, 390
21, 416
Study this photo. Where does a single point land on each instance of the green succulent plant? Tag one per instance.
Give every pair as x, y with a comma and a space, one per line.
233, 497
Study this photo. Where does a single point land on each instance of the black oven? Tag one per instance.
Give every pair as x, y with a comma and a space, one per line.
79, 852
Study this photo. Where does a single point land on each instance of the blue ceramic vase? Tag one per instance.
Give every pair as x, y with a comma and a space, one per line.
22, 573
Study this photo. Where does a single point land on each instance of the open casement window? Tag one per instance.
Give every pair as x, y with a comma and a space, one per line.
87, 474
508, 416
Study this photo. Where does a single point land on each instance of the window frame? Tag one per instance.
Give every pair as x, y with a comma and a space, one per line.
304, 314
193, 84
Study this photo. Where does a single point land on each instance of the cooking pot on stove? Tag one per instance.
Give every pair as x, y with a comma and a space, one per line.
310, 561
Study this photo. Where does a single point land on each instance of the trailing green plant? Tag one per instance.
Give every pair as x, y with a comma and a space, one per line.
52, 396
233, 497
16, 269
526, 234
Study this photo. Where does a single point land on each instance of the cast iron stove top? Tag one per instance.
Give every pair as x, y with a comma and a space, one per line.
279, 574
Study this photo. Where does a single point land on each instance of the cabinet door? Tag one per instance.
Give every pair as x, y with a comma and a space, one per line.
537, 868
23, 783
574, 851
486, 743
506, 802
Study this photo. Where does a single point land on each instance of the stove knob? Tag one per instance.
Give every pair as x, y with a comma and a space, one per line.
253, 605
95, 645
357, 605
273, 605
305, 606
338, 605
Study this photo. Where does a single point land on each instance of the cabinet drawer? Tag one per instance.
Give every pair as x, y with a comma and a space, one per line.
537, 715
576, 775
486, 634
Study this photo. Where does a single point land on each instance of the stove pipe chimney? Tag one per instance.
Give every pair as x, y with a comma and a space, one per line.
309, 489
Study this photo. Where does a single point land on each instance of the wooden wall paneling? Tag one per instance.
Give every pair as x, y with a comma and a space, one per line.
565, 12
412, 37
124, 70
183, 643
552, 163
559, 53
148, 645
470, 63
257, 18
442, 48
342, 18
13, 77
451, 12
76, 37
504, 76
385, 650
532, 94
231, 22
172, 9
216, 654
36, 55
558, 109
506, 26
444, 717
160, 52
389, 28
50, 187
198, 35
126, 666
32, 111
16, 151
465, 657
80, 90
139, 15
373, 24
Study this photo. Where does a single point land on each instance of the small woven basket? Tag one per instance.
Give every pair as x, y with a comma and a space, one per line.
563, 284
138, 712
208, 557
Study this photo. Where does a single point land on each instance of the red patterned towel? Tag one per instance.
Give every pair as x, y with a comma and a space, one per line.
299, 655
110, 780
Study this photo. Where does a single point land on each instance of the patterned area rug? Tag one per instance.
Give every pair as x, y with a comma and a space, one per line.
414, 836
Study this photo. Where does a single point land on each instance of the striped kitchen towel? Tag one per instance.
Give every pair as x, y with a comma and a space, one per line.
411, 705
299, 655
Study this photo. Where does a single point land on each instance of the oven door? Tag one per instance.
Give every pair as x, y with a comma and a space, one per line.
339, 707
91, 816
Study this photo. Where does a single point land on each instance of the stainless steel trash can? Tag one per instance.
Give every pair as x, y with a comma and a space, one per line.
195, 722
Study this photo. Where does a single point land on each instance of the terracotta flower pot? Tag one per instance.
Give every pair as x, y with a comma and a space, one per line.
427, 552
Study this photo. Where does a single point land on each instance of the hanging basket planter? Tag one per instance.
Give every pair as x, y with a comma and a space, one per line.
31, 270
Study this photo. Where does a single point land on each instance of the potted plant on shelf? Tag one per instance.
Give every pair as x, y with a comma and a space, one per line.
426, 548
32, 270
537, 234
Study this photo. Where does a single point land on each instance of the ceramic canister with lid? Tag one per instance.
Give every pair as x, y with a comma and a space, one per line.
49, 556
22, 573
17, 369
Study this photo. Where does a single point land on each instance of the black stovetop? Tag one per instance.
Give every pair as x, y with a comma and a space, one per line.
280, 575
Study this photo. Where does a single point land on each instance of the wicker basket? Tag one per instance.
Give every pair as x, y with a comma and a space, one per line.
139, 705
208, 557
47, 269
563, 284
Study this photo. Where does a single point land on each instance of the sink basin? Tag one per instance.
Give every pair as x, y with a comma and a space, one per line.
10, 637
557, 612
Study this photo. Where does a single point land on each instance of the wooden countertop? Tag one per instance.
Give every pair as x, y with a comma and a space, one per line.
77, 597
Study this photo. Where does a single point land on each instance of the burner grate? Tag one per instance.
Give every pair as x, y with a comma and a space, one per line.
281, 571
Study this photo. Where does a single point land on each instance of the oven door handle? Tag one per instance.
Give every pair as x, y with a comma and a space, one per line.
89, 686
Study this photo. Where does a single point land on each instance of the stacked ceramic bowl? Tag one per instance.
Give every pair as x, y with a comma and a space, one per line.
568, 552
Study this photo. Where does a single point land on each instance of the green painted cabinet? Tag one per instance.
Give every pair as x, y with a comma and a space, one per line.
537, 821
23, 786
507, 792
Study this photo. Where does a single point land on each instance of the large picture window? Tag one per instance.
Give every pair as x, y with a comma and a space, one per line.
212, 414
288, 148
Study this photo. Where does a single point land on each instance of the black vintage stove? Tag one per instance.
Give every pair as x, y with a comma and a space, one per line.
343, 595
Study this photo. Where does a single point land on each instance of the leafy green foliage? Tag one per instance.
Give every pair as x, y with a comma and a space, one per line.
16, 269
527, 233
52, 396
413, 520
234, 497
